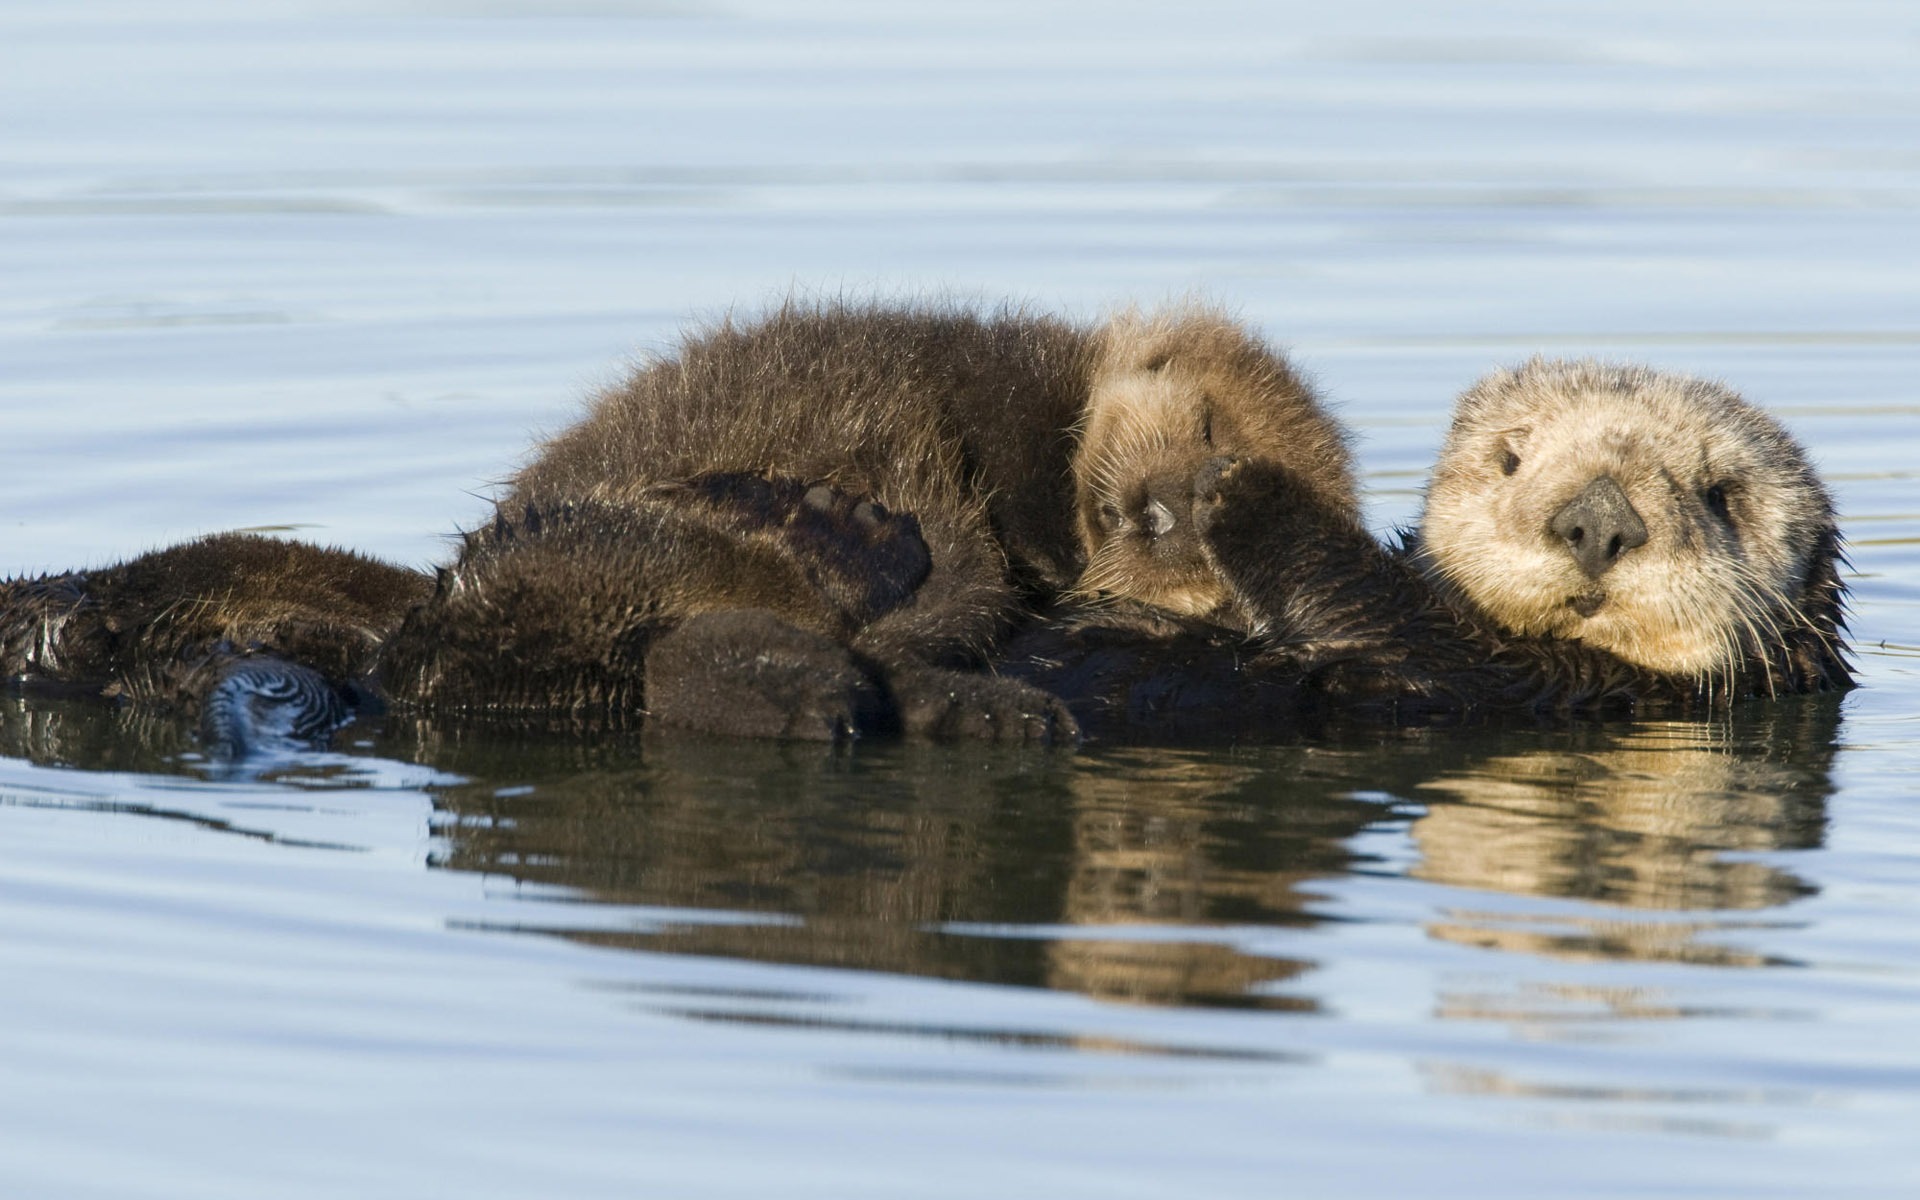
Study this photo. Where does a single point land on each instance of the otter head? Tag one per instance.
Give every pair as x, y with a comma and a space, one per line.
1171, 391
1658, 517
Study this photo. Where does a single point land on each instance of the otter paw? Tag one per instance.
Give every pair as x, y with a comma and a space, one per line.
1211, 481
1214, 484
1254, 501
747, 673
962, 705
868, 559
864, 558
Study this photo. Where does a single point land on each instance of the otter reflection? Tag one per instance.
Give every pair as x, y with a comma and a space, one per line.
1130, 875
1646, 816
1102, 874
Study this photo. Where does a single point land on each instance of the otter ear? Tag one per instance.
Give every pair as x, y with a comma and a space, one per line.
1509, 446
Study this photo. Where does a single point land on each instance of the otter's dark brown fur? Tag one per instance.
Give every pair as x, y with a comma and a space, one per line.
269, 639
966, 421
995, 431
188, 627
594, 607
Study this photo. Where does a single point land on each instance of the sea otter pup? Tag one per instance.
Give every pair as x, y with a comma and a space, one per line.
1033, 453
657, 554
1169, 392
1598, 538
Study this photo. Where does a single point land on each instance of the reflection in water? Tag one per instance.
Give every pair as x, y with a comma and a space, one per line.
1644, 818
95, 736
1641, 817
1088, 873
1187, 842
1129, 875
1570, 1105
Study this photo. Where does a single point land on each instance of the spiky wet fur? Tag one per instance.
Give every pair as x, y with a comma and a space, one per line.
164, 626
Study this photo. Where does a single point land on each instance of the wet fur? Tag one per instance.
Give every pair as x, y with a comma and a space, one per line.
169, 627
1344, 629
591, 608
993, 430
1170, 391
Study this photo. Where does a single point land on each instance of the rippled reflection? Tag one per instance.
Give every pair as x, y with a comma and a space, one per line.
1142, 876
1108, 874
1657, 816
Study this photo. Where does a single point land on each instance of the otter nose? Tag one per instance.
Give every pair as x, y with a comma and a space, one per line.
1158, 518
1599, 525
1163, 511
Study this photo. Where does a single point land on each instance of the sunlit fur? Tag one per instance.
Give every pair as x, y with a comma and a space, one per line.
1706, 594
1169, 391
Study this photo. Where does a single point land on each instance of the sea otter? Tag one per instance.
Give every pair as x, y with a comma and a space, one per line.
270, 640
258, 636
1596, 538
1007, 436
658, 555
1684, 530
1169, 392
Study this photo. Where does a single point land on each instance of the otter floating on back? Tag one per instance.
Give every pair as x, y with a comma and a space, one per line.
1656, 517
1597, 538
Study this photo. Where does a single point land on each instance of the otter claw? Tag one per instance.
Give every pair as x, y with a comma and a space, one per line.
1212, 478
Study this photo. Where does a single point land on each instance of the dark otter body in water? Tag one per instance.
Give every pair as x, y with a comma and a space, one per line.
725, 602
999, 433
616, 578
208, 626
962, 420
270, 640
1600, 539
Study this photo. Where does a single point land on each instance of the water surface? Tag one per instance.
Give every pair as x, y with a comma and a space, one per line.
330, 267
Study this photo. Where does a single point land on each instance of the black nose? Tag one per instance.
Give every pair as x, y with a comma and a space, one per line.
1164, 511
1599, 525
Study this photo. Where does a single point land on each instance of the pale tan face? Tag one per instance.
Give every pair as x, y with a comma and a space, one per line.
1147, 436
1171, 393
1657, 517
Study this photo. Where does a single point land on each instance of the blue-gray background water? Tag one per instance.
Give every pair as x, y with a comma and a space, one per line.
331, 267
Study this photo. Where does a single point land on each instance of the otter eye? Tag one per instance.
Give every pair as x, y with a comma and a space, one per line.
1206, 425
1715, 499
1509, 462
1110, 518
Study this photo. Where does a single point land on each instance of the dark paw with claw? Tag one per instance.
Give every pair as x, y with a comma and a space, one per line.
747, 673
862, 557
964, 706
1213, 484
1248, 503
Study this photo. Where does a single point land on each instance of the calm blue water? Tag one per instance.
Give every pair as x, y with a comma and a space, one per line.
331, 266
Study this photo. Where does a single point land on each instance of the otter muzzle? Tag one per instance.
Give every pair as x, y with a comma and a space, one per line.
1599, 526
